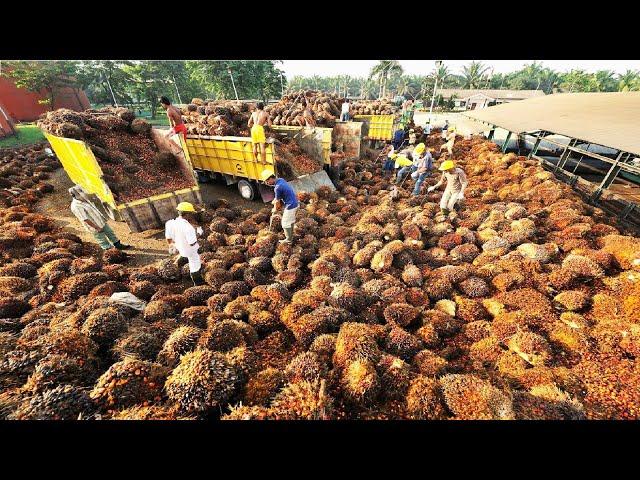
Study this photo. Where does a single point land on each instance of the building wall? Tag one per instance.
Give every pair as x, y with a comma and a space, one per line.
6, 127
23, 105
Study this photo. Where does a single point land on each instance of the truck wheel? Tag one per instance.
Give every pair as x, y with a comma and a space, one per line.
247, 189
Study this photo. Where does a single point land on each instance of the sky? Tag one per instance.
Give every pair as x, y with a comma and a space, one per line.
361, 68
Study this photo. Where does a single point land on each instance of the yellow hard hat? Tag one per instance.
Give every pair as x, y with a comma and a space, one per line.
447, 165
393, 155
419, 148
185, 207
265, 174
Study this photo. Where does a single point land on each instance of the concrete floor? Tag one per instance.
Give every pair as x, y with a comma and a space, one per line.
148, 246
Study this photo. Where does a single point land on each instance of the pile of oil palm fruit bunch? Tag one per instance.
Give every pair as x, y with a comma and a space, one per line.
24, 173
325, 108
522, 304
373, 107
132, 164
224, 118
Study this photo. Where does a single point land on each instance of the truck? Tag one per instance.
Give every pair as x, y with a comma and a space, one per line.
141, 214
231, 159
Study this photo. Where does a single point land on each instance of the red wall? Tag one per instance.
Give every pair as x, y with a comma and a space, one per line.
22, 105
6, 128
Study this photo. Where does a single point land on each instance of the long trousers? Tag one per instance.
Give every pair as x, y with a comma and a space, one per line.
106, 238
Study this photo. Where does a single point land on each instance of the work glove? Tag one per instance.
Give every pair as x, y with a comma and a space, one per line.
172, 250
461, 196
199, 231
430, 189
414, 175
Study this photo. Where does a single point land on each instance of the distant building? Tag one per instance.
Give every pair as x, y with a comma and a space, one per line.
472, 99
21, 105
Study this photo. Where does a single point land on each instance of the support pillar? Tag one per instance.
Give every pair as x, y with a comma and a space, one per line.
610, 177
535, 146
506, 142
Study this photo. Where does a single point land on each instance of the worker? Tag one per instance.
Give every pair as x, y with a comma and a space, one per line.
259, 118
423, 164
456, 184
344, 112
93, 220
444, 129
398, 138
403, 163
285, 197
387, 167
309, 120
182, 237
427, 128
412, 137
415, 155
451, 138
175, 118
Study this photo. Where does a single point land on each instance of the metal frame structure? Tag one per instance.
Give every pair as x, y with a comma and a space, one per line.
621, 162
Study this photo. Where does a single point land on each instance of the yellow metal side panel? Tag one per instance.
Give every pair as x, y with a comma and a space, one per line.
81, 166
380, 126
231, 156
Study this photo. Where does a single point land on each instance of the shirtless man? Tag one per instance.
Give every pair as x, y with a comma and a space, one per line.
257, 121
175, 118
308, 116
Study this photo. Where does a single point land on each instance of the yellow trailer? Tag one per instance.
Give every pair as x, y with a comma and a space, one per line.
232, 159
377, 127
142, 214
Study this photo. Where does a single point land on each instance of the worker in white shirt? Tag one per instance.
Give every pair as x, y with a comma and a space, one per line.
456, 181
182, 238
445, 129
451, 138
93, 220
344, 113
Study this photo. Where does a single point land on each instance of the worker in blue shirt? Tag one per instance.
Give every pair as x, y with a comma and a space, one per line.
398, 138
284, 196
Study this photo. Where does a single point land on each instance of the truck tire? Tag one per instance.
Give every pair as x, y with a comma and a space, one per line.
247, 190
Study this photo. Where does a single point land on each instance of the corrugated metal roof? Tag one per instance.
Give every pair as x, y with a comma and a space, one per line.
462, 93
608, 119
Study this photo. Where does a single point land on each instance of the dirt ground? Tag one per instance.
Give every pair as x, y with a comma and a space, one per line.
148, 246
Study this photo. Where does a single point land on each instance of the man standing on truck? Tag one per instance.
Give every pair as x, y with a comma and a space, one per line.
93, 220
284, 196
308, 115
175, 118
456, 181
259, 118
344, 112
182, 237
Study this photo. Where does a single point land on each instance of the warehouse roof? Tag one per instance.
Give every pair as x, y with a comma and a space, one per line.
608, 119
462, 93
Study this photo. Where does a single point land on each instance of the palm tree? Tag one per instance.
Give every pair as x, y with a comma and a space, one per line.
629, 81
383, 70
604, 81
473, 74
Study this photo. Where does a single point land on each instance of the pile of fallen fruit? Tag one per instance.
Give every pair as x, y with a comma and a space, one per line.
325, 108
373, 107
132, 164
524, 304
217, 118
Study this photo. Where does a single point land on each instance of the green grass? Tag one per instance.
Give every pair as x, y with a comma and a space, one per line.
27, 133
